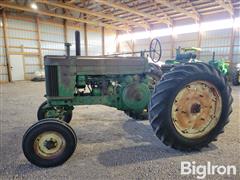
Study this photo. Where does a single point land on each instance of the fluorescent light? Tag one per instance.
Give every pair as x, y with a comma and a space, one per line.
236, 22
34, 6
124, 37
134, 36
161, 32
215, 25
141, 35
186, 29
206, 26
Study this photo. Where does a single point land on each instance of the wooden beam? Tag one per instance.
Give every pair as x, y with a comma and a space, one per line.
164, 14
103, 41
95, 23
39, 42
24, 62
227, 6
118, 43
173, 48
231, 51
65, 29
204, 7
130, 45
93, 13
133, 11
133, 47
199, 43
85, 39
194, 9
179, 9
5, 37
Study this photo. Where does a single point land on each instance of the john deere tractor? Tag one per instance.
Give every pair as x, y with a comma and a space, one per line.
187, 107
189, 55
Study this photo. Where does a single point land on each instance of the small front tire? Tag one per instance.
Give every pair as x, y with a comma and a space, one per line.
49, 143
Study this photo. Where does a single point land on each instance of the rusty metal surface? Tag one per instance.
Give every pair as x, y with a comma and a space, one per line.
196, 109
98, 65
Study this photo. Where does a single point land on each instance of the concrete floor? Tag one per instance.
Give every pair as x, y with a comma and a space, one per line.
110, 144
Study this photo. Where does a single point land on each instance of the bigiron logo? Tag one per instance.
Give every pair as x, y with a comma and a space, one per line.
201, 171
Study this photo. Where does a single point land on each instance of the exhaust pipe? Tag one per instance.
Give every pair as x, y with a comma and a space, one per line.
77, 43
67, 46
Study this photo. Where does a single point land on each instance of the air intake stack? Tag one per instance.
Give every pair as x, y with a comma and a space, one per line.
77, 42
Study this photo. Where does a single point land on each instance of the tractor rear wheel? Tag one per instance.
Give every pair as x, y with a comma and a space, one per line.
49, 143
190, 106
236, 77
54, 112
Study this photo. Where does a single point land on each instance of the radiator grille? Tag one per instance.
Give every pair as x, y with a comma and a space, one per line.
51, 80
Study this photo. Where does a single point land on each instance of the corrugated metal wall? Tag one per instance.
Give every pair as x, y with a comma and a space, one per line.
110, 41
52, 39
236, 47
218, 41
22, 40
94, 37
166, 47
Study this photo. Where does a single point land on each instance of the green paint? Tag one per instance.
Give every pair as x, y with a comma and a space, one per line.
123, 84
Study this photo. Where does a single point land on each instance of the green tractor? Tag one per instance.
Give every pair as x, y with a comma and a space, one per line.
187, 107
189, 55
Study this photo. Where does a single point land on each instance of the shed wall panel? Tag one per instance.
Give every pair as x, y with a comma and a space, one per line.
94, 43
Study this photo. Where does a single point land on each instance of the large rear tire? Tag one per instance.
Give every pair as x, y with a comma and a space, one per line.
49, 143
190, 106
236, 77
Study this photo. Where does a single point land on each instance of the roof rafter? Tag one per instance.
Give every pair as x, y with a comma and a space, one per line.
227, 6
98, 14
164, 14
193, 8
179, 9
26, 9
133, 11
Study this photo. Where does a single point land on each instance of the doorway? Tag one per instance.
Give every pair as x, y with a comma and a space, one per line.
17, 68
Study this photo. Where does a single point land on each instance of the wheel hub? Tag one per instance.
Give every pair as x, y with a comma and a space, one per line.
196, 109
49, 144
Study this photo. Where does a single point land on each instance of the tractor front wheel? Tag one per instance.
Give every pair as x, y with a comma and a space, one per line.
49, 143
190, 106
60, 113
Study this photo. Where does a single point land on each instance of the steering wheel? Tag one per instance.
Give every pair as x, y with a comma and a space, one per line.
155, 50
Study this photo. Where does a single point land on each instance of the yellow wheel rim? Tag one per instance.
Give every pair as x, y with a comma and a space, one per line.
196, 109
49, 145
